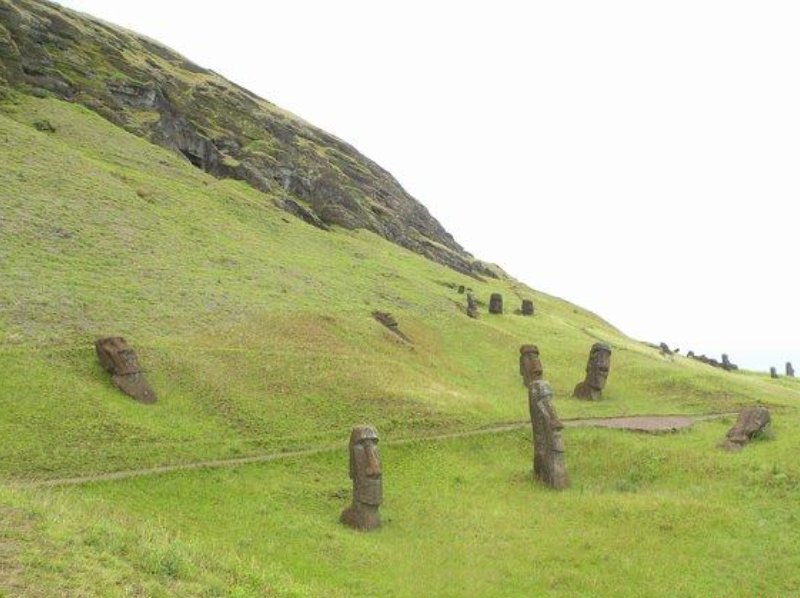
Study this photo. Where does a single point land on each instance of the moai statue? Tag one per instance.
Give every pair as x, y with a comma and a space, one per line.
773, 373
472, 306
591, 388
527, 307
548, 444
496, 303
751, 422
727, 365
118, 359
530, 366
365, 471
461, 289
789, 369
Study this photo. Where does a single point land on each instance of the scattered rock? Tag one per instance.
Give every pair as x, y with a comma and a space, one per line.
527, 307
548, 443
118, 359
530, 366
751, 422
597, 368
496, 303
365, 471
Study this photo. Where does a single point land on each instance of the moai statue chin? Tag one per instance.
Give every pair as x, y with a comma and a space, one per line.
118, 359
365, 471
548, 443
472, 306
496, 303
530, 366
591, 388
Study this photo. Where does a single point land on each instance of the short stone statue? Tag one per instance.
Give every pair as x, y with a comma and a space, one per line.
472, 306
496, 303
527, 307
530, 366
365, 471
118, 359
591, 388
773, 372
752, 421
789, 369
548, 444
461, 289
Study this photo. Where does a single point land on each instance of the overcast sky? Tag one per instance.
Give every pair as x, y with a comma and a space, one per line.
641, 159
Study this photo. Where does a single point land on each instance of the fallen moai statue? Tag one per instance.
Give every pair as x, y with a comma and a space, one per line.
751, 422
119, 360
548, 443
365, 471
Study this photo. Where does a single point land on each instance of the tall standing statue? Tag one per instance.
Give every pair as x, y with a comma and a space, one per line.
365, 471
591, 388
530, 366
548, 444
789, 369
119, 360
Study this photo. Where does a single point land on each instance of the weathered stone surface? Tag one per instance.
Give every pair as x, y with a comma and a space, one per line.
496, 303
597, 369
365, 471
751, 422
119, 360
472, 306
548, 444
773, 372
789, 369
530, 366
527, 307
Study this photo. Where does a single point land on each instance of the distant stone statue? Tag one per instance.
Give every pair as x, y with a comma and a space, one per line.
727, 365
530, 366
365, 471
119, 360
751, 422
496, 303
548, 444
472, 306
527, 307
591, 388
461, 289
789, 369
773, 373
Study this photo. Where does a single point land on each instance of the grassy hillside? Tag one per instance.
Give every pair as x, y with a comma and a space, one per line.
257, 334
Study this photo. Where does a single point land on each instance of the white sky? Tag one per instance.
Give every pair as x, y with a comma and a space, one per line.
641, 159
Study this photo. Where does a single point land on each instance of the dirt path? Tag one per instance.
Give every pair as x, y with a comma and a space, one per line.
639, 423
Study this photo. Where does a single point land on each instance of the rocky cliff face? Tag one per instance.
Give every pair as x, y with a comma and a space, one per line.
218, 126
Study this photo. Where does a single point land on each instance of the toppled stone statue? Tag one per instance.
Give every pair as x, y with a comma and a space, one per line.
773, 373
496, 303
389, 321
789, 369
530, 366
752, 422
472, 306
527, 307
591, 388
548, 444
118, 359
365, 471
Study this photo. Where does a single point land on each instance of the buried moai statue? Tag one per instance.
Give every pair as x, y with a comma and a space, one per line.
119, 360
591, 388
789, 369
752, 422
365, 471
472, 306
496, 303
527, 307
530, 366
548, 443
773, 372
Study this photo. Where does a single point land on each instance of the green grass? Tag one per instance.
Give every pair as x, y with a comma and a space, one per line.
256, 332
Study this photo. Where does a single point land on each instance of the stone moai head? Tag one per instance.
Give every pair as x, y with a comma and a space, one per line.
773, 373
365, 471
496, 303
789, 369
530, 366
548, 442
461, 289
527, 307
598, 366
119, 360
472, 306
